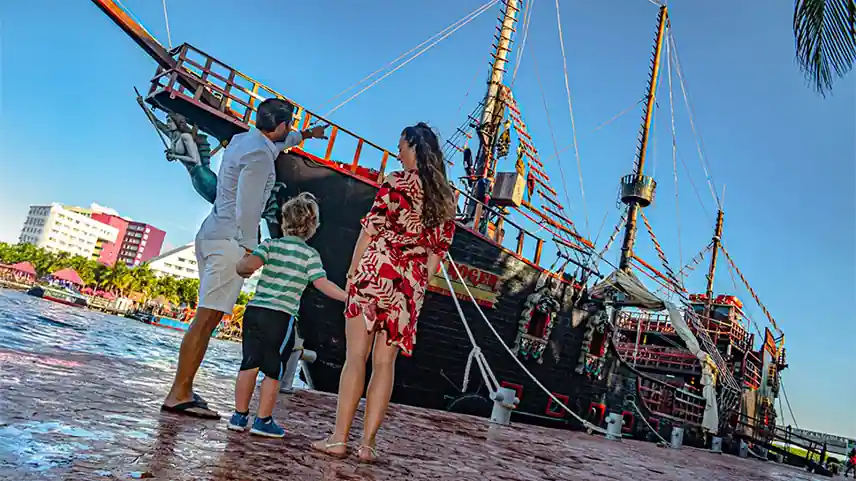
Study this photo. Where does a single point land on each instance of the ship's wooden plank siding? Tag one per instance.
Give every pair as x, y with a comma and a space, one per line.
433, 376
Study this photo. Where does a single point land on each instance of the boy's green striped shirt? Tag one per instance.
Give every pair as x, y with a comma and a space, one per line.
289, 265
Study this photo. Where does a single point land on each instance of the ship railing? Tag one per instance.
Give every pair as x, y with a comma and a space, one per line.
238, 97
752, 372
658, 357
227, 93
681, 404
727, 331
780, 438
646, 321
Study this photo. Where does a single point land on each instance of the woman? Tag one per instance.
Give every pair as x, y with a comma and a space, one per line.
405, 235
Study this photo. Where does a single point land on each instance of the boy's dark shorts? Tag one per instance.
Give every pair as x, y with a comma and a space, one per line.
268, 340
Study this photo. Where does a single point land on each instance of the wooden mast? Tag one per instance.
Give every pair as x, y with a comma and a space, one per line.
492, 114
711, 271
637, 189
491, 117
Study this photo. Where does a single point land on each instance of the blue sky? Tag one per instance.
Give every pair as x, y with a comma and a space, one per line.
71, 131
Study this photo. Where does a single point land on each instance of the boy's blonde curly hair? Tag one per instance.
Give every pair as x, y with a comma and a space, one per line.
300, 216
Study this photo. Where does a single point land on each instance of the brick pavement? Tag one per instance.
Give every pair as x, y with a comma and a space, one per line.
88, 417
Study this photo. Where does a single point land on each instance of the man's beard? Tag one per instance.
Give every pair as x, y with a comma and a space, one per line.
281, 138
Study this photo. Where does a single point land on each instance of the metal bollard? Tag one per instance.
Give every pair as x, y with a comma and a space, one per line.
614, 423
677, 437
504, 402
296, 358
716, 445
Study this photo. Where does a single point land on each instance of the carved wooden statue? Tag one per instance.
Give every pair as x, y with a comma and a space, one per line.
187, 146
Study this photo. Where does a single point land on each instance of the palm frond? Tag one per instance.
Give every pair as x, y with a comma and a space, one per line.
825, 37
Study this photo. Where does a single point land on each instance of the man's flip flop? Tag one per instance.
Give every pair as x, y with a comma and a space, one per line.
185, 409
202, 403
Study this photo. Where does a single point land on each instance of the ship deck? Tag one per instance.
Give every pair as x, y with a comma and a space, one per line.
84, 416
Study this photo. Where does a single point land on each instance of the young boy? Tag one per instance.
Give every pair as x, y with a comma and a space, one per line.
289, 265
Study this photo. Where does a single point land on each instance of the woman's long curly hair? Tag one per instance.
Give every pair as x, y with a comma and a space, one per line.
438, 204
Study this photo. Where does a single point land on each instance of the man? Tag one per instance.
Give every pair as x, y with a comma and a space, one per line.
229, 232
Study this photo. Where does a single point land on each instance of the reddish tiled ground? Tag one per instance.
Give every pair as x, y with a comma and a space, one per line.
83, 417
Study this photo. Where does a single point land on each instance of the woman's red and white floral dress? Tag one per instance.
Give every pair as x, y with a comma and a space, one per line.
388, 284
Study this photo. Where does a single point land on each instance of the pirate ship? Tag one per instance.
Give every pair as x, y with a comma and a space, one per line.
599, 343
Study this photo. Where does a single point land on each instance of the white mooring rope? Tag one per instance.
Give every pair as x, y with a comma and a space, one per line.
476, 353
480, 357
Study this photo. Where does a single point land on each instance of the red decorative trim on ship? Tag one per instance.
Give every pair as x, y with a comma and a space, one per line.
600, 411
629, 420
560, 412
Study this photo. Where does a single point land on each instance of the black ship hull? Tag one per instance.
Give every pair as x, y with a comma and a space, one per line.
433, 376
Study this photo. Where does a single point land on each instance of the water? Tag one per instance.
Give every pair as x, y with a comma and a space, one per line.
30, 324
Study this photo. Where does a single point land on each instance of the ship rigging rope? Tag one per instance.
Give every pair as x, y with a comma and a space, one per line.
573, 123
611, 120
642, 417
395, 60
479, 355
692, 264
788, 402
448, 31
695, 261
670, 274
553, 137
600, 228
751, 291
674, 159
466, 125
527, 17
760, 335
166, 21
691, 113
593, 259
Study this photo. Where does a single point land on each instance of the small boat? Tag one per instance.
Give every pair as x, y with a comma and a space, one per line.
169, 323
172, 323
60, 295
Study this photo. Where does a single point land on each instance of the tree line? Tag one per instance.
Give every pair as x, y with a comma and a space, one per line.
119, 279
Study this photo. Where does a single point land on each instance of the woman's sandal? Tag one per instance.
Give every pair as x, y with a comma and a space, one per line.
365, 459
324, 446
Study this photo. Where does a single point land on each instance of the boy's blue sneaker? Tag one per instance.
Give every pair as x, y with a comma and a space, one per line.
239, 422
267, 427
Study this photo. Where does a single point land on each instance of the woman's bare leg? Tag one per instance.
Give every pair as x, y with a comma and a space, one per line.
351, 382
380, 388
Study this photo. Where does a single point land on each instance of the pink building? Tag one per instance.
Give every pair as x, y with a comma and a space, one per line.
136, 243
108, 252
141, 243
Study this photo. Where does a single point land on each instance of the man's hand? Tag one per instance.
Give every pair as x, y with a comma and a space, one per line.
316, 132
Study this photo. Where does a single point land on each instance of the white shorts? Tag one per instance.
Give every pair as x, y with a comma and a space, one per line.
219, 282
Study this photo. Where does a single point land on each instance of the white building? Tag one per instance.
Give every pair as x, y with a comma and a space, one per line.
181, 264
58, 228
